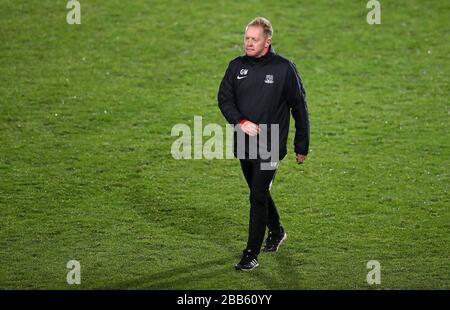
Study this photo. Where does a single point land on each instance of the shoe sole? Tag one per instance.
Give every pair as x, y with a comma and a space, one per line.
279, 244
282, 240
240, 269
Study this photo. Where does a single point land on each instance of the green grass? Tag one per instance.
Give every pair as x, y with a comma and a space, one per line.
86, 172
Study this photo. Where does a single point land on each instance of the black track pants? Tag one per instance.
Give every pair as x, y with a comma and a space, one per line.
262, 208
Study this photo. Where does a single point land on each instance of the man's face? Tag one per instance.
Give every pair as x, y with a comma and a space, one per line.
255, 43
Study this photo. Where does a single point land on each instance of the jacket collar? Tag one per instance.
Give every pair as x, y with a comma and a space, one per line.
262, 59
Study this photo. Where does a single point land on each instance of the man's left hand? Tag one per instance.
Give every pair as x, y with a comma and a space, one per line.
301, 159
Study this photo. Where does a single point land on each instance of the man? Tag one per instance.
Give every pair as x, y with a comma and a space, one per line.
258, 92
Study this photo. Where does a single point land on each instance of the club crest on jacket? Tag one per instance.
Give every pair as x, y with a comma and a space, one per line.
269, 79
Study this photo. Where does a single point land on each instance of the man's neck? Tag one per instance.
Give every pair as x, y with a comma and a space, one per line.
264, 53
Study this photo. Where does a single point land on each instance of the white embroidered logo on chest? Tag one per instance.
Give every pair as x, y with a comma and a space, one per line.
269, 79
242, 74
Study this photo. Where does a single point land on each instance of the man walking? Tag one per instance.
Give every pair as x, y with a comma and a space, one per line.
257, 94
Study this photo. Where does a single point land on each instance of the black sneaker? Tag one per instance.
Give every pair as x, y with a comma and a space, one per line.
274, 240
249, 261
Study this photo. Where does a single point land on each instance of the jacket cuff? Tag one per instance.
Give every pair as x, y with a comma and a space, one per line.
300, 150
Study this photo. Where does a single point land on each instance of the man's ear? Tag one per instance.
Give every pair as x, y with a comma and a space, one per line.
268, 42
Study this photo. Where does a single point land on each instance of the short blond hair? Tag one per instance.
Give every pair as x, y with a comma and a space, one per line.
264, 23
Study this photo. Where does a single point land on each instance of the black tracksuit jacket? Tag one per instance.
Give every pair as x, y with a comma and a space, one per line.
264, 91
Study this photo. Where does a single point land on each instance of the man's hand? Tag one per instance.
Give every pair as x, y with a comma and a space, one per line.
301, 159
250, 128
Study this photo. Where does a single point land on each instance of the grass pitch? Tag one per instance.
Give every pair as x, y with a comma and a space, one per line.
86, 172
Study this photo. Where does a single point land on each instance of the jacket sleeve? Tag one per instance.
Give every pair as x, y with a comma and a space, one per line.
227, 99
296, 99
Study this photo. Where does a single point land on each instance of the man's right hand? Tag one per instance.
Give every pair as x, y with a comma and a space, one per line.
250, 128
